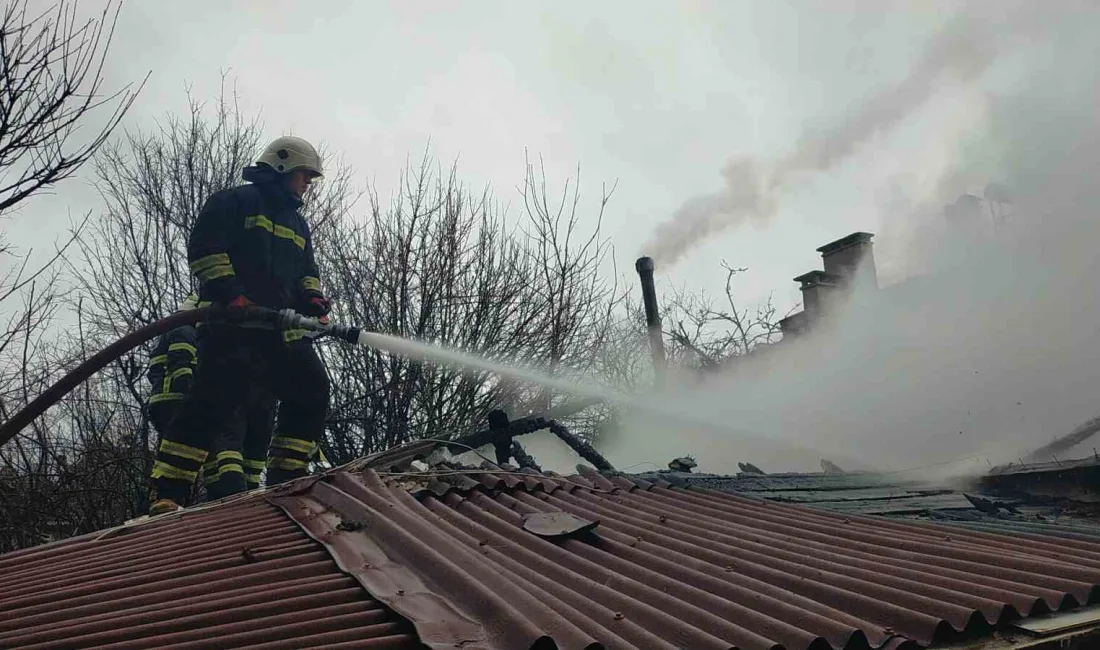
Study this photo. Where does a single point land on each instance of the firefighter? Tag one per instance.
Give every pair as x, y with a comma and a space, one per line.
251, 245
171, 368
241, 455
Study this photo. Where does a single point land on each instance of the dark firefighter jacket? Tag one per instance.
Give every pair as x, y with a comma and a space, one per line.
251, 241
172, 365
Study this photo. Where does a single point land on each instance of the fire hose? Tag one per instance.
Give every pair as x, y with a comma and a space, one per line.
251, 316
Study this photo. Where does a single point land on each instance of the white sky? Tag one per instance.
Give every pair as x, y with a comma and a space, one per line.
656, 95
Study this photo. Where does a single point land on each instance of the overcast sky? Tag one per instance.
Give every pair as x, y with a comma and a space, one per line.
657, 98
661, 96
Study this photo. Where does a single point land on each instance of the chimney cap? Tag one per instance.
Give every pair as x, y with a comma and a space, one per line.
643, 264
816, 277
846, 242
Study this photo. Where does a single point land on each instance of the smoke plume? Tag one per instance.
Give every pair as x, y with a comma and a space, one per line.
989, 348
958, 54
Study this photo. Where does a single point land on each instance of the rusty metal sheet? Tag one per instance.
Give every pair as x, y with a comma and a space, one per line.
457, 603
362, 562
234, 575
670, 567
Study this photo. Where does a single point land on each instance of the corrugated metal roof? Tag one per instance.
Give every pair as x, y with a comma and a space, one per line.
233, 576
670, 567
448, 551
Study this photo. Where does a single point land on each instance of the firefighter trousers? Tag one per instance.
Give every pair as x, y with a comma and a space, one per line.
243, 446
231, 360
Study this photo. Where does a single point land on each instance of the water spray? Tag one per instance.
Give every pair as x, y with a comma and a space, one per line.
589, 393
264, 318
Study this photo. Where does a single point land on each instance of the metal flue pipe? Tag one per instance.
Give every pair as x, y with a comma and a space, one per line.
644, 267
502, 436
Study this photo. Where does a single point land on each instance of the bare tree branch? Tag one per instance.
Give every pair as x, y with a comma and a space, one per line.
51, 76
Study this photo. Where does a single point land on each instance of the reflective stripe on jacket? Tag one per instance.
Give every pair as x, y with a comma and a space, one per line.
172, 364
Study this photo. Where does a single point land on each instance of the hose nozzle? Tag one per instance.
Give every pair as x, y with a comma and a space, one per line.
288, 319
283, 319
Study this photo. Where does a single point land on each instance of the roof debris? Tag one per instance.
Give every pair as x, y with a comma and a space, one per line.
682, 464
749, 468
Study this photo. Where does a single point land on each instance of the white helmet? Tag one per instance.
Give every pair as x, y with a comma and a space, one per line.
289, 153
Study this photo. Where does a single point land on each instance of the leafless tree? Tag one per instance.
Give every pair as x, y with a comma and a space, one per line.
578, 303
55, 114
75, 470
437, 264
705, 333
441, 264
51, 76
624, 360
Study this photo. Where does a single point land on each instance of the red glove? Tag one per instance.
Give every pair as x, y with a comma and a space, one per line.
240, 301
317, 307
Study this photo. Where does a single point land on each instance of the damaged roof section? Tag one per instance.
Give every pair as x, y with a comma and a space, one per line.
1016, 501
405, 549
867, 494
650, 565
1076, 480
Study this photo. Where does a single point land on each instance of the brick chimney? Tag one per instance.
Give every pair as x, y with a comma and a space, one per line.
847, 261
850, 258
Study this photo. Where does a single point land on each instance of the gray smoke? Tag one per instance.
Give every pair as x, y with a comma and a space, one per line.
988, 350
958, 54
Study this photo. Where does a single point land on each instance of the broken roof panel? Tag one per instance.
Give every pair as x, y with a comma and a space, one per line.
1052, 466
859, 493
